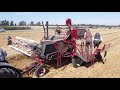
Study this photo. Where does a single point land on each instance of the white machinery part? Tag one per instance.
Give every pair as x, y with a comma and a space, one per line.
22, 45
20, 50
28, 40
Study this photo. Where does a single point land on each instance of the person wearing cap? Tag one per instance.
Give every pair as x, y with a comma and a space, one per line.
97, 40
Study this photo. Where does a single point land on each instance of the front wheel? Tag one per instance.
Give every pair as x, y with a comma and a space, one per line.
40, 71
77, 62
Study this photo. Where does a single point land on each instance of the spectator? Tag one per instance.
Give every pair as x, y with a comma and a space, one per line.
9, 40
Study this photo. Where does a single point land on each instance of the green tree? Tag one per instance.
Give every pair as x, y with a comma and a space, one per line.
11, 23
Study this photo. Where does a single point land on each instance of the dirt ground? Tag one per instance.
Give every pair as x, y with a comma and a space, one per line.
99, 70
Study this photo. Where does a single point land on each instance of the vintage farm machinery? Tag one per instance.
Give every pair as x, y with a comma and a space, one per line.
70, 44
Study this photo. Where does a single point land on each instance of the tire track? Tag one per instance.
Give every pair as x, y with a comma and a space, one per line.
113, 45
112, 40
110, 33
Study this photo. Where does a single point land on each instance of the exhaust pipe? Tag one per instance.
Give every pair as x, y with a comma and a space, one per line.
47, 28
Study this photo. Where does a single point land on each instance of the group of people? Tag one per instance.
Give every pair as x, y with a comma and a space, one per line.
96, 40
88, 35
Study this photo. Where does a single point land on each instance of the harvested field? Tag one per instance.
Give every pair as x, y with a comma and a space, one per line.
108, 70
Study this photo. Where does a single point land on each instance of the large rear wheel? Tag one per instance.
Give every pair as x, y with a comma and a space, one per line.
8, 72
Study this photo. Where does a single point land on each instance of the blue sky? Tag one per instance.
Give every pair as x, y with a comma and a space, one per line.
107, 18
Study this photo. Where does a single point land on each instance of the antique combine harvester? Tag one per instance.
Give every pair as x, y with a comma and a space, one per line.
67, 44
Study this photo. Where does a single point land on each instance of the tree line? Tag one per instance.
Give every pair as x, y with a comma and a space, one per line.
32, 23
21, 23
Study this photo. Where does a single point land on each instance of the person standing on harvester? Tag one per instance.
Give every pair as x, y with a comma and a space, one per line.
88, 39
97, 40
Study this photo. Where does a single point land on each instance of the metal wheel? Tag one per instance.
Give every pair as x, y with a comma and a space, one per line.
77, 62
40, 71
8, 72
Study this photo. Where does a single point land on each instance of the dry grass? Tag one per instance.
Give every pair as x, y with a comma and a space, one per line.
108, 70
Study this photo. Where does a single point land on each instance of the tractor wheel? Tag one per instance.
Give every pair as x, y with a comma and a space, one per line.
98, 56
9, 73
77, 62
40, 71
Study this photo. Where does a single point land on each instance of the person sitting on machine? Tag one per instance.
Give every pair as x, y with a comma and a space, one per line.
97, 40
58, 30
